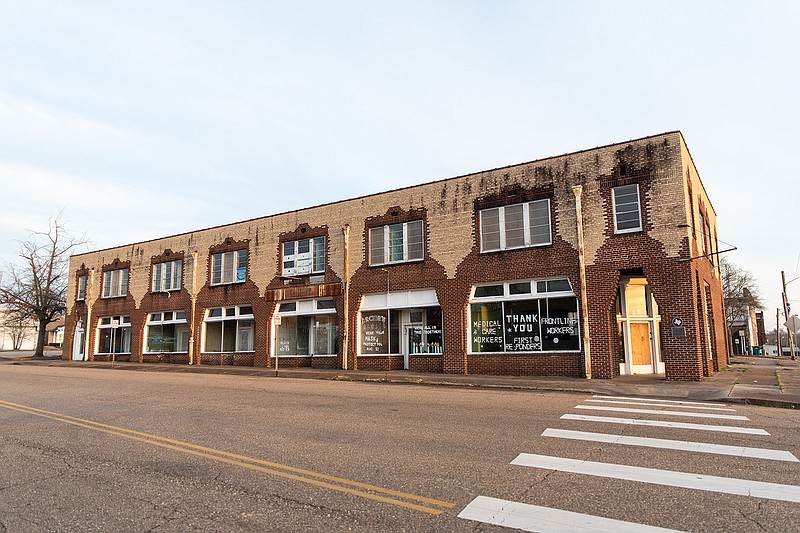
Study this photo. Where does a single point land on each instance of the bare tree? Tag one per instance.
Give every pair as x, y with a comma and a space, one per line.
36, 290
740, 291
772, 337
17, 327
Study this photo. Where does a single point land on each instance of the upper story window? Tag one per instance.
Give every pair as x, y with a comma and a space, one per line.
167, 276
516, 226
115, 283
396, 243
81, 288
627, 209
708, 244
229, 267
306, 256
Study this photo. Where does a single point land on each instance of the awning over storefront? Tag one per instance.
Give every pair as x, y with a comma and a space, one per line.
399, 300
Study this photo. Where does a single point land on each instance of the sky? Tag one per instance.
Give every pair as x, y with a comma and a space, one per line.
137, 120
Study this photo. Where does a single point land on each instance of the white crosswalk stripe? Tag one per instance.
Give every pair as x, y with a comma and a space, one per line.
660, 412
653, 404
688, 446
665, 424
658, 400
725, 485
527, 517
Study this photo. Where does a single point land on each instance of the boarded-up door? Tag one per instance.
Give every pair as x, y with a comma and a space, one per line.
640, 344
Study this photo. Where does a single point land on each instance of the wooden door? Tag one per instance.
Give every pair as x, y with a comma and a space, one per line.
640, 344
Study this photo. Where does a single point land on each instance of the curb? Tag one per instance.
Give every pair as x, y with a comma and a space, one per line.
611, 389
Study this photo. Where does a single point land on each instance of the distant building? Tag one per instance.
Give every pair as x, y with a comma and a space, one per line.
761, 331
15, 333
55, 333
770, 349
747, 333
596, 263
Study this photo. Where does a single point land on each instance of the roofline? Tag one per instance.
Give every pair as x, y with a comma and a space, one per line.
441, 180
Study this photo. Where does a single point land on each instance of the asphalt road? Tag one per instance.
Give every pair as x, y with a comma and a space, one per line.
102, 450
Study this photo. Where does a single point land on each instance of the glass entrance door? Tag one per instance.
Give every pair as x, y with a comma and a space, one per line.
414, 342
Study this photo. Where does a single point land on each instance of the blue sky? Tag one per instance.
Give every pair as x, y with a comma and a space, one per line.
203, 113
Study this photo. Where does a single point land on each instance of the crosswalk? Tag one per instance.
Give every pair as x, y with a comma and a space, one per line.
709, 419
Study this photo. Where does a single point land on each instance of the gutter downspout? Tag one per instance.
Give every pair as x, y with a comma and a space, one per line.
577, 190
87, 347
194, 306
346, 332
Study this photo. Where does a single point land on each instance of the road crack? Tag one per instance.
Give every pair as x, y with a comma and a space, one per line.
749, 516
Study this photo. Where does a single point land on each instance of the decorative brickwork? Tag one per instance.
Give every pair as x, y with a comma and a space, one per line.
667, 252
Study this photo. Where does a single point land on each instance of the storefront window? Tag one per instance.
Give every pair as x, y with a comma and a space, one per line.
524, 316
428, 335
114, 335
307, 328
375, 332
487, 327
382, 332
229, 329
167, 331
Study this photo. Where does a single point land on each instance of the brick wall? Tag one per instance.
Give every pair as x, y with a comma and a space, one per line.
671, 195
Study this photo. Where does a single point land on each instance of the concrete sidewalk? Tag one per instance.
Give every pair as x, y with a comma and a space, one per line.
770, 381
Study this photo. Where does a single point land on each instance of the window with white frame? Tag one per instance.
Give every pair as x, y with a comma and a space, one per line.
707, 243
114, 334
703, 242
524, 316
229, 267
627, 208
397, 243
167, 276
516, 226
228, 329
305, 256
166, 332
115, 283
81, 288
307, 328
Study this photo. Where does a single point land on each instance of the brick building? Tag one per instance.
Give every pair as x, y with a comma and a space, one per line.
596, 263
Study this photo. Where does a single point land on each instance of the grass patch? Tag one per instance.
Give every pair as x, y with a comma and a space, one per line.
778, 380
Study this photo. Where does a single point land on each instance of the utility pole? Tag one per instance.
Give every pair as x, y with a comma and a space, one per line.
778, 330
786, 316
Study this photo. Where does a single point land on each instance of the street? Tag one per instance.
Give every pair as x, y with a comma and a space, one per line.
109, 450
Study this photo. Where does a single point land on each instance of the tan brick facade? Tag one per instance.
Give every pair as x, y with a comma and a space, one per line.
667, 252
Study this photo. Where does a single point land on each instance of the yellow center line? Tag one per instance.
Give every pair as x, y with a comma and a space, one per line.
241, 460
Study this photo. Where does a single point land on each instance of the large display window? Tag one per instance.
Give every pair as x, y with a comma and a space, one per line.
524, 316
382, 331
228, 329
166, 331
307, 328
114, 334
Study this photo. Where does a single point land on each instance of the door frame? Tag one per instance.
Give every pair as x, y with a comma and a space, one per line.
408, 326
655, 366
79, 340
652, 319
